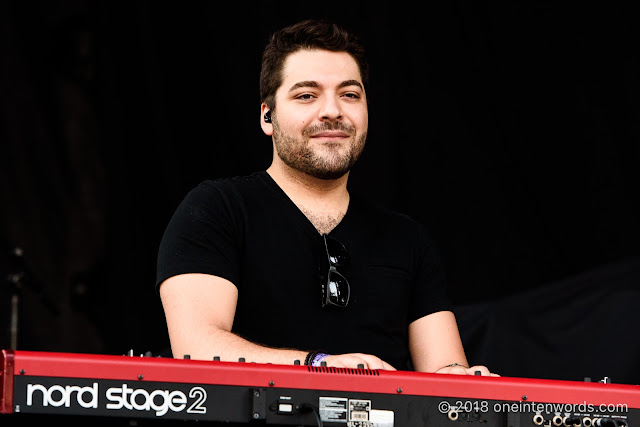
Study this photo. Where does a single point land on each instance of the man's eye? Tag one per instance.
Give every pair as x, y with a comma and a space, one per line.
352, 95
305, 96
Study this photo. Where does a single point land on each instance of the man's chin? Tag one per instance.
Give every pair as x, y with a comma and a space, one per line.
326, 173
329, 175
320, 168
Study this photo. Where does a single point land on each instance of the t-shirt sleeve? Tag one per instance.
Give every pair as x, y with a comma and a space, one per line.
430, 288
201, 237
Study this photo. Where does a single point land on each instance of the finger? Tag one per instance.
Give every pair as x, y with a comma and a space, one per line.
387, 367
380, 364
350, 361
369, 362
374, 362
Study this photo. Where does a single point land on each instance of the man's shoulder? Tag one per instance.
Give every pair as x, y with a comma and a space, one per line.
235, 186
230, 193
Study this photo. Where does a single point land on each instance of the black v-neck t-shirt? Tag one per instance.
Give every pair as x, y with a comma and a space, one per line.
248, 231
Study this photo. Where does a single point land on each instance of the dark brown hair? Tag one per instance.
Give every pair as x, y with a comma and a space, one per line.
309, 34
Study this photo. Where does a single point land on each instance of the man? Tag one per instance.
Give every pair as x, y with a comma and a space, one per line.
286, 264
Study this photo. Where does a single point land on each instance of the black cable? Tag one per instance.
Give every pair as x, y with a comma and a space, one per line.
304, 407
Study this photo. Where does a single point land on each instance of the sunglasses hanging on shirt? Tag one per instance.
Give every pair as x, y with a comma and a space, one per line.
335, 287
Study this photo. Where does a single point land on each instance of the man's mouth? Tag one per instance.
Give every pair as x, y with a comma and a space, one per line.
330, 134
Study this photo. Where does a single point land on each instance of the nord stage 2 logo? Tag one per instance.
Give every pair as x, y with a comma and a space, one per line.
122, 398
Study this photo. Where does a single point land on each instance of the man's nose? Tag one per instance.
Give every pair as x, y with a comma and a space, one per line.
330, 109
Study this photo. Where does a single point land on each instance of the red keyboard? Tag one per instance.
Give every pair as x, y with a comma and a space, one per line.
236, 392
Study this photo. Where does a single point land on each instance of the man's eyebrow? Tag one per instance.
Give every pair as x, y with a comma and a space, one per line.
311, 83
306, 83
351, 83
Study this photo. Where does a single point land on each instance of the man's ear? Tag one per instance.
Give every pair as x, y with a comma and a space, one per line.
265, 119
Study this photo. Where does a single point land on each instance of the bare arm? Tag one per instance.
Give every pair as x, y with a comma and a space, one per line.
200, 309
435, 345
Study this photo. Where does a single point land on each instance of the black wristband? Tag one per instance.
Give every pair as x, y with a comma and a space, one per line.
310, 356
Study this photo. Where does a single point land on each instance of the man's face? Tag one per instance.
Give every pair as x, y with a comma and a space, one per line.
320, 120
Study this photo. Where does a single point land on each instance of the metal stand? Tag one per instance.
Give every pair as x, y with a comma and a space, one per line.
16, 284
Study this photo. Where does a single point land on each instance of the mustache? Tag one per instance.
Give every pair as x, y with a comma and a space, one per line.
328, 126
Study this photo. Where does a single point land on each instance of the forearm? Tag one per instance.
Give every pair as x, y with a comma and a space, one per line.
200, 310
230, 347
435, 342
436, 346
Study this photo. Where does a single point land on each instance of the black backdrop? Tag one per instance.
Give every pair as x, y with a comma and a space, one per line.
510, 129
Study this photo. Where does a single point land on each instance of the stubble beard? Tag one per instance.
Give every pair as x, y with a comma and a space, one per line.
322, 162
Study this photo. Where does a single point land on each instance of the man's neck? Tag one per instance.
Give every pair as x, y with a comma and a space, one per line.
324, 202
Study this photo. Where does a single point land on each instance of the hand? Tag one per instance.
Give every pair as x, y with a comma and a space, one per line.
352, 360
463, 370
